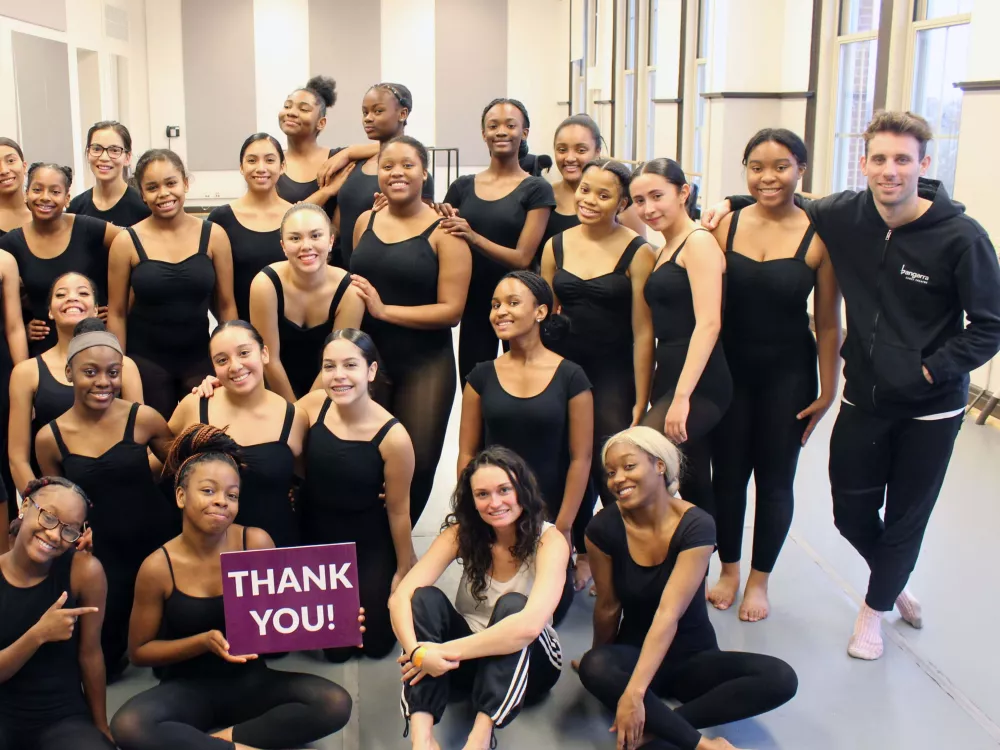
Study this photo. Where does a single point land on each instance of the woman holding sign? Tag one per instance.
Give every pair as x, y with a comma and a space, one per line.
497, 640
178, 624
46, 590
355, 449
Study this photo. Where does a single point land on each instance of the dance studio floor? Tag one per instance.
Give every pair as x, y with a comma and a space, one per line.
933, 689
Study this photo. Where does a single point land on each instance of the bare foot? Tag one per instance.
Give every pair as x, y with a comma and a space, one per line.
582, 576
755, 606
723, 594
715, 744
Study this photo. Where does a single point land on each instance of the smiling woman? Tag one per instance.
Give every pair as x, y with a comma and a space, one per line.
112, 199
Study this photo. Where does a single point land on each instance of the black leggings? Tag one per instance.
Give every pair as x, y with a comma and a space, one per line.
267, 709
498, 685
477, 341
715, 687
696, 473
162, 388
759, 434
376, 566
78, 733
420, 395
121, 576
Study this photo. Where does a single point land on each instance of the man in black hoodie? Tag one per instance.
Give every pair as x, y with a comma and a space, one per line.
912, 268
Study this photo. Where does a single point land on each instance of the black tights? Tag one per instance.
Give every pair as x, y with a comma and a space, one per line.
477, 341
760, 434
267, 709
696, 474
420, 395
78, 733
162, 388
715, 687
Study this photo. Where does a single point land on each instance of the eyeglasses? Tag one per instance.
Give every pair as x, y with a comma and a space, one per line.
96, 149
49, 520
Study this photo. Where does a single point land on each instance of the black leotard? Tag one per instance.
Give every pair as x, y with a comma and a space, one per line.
85, 253
600, 341
129, 519
302, 348
668, 293
500, 221
252, 252
355, 197
130, 208
47, 688
296, 192
52, 399
558, 223
536, 428
266, 480
168, 323
418, 364
341, 503
772, 357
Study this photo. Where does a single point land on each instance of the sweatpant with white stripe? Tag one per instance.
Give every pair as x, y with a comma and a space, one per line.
498, 685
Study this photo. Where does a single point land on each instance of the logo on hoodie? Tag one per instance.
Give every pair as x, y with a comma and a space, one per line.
914, 276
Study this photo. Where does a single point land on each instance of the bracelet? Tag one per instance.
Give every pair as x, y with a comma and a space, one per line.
417, 658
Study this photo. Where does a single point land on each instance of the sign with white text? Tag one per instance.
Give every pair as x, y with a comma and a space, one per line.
291, 599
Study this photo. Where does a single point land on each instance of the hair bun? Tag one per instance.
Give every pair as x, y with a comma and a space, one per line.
326, 87
555, 328
89, 325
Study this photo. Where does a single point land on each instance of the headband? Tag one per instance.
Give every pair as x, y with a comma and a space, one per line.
92, 339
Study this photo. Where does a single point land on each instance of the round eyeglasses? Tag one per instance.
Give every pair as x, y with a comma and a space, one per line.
49, 520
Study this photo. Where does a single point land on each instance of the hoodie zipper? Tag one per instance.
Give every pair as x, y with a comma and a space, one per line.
878, 306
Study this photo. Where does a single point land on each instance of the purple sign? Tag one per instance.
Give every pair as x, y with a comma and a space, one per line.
291, 599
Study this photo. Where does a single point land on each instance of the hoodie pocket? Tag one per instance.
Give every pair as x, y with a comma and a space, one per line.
898, 371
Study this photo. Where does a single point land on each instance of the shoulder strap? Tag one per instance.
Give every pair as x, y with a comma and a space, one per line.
427, 232
43, 370
203, 410
383, 431
339, 295
244, 537
129, 436
170, 565
371, 221
323, 411
807, 238
278, 289
139, 249
206, 235
626, 260
63, 451
732, 230
673, 258
286, 428
557, 249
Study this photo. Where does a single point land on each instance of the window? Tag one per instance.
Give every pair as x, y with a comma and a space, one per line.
631, 63
857, 49
941, 38
651, 57
701, 87
578, 66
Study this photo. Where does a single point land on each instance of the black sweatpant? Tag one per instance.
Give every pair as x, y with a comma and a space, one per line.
759, 434
267, 709
715, 687
897, 462
78, 733
498, 685
163, 389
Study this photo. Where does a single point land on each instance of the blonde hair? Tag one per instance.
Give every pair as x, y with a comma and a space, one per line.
657, 446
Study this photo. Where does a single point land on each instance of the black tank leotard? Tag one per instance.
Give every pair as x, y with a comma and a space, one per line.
168, 323
772, 357
558, 223
85, 253
296, 192
253, 251
668, 293
600, 341
341, 503
129, 519
130, 208
302, 348
418, 364
52, 399
266, 483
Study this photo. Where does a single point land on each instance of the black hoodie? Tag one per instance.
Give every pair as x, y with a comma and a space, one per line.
908, 291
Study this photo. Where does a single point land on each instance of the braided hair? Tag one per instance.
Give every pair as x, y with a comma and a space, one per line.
200, 443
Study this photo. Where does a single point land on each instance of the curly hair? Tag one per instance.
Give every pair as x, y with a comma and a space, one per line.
476, 537
197, 444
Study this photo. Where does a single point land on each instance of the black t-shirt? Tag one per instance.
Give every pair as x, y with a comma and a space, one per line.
640, 587
355, 197
536, 428
296, 192
500, 221
253, 251
127, 211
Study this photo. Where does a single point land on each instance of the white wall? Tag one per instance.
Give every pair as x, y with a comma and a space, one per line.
408, 58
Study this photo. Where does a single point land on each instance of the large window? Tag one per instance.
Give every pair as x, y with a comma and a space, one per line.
940, 41
857, 49
653, 20
701, 86
629, 78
